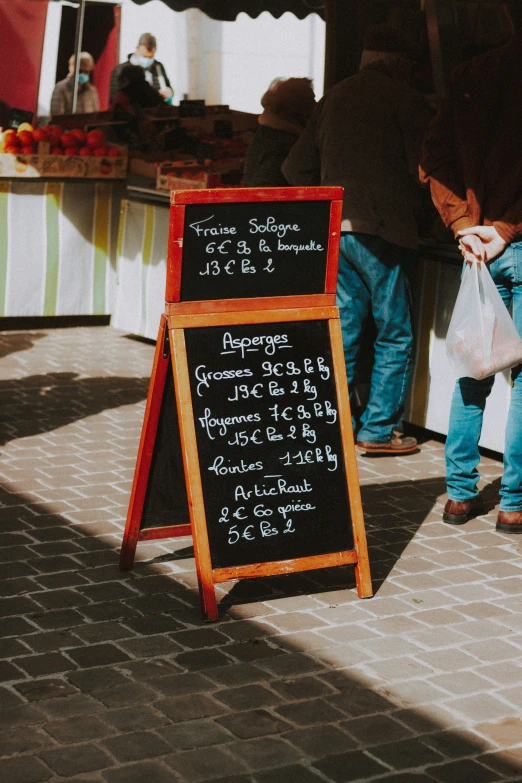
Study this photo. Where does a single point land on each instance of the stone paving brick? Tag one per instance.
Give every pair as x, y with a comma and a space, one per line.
94, 679
124, 695
38, 690
465, 771
151, 669
148, 772
25, 770
195, 734
320, 741
285, 774
71, 760
65, 618
23, 738
98, 655
70, 706
306, 713
136, 746
77, 729
264, 752
8, 698
248, 697
190, 707
197, 660
47, 663
405, 754
236, 674
135, 718
351, 766
204, 764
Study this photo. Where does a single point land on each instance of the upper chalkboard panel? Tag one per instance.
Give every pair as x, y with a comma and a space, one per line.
256, 248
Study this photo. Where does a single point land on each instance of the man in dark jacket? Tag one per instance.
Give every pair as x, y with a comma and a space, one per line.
473, 163
366, 135
145, 56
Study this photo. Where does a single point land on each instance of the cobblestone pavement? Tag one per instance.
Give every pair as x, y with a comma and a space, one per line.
110, 677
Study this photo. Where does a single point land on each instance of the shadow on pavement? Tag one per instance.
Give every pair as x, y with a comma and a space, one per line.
41, 403
19, 341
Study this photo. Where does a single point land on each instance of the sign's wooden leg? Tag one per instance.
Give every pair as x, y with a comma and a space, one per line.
207, 594
193, 475
146, 448
363, 578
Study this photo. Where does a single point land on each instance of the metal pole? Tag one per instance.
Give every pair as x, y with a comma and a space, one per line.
77, 49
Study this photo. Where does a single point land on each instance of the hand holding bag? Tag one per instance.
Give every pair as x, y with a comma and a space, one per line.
482, 338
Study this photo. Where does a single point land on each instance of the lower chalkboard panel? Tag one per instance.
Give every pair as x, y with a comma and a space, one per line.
269, 441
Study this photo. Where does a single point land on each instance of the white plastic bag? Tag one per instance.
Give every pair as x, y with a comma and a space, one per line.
482, 338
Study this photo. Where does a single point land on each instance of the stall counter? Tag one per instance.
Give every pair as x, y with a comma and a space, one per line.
142, 262
58, 241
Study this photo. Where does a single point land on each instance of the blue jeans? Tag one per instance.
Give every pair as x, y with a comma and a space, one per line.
469, 400
371, 283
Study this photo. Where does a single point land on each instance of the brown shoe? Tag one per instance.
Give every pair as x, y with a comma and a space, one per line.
396, 445
458, 512
509, 521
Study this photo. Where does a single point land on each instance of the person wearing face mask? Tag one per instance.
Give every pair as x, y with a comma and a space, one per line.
87, 100
155, 74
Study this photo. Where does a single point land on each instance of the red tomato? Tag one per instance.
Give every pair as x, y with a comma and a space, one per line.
12, 149
70, 151
40, 134
79, 135
100, 152
25, 137
54, 133
56, 151
29, 149
113, 152
85, 151
95, 138
68, 140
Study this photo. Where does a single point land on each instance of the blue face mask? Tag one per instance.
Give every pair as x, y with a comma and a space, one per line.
146, 62
83, 78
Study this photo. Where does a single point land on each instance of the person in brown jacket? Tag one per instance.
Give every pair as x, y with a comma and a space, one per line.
365, 134
472, 160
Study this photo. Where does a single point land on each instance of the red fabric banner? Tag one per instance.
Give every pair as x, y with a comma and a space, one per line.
22, 28
108, 59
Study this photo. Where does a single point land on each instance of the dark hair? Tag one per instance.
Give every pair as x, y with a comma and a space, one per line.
290, 98
131, 74
148, 41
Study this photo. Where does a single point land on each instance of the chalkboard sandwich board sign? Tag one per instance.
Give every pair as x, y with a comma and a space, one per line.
256, 458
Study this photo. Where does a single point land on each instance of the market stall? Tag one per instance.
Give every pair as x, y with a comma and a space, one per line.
59, 217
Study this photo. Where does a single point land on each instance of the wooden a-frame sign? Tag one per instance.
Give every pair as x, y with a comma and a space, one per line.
256, 459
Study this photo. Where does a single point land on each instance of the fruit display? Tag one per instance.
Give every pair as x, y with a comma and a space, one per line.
25, 140
53, 151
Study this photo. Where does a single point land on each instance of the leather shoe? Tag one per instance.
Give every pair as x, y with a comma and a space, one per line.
396, 445
458, 512
509, 521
